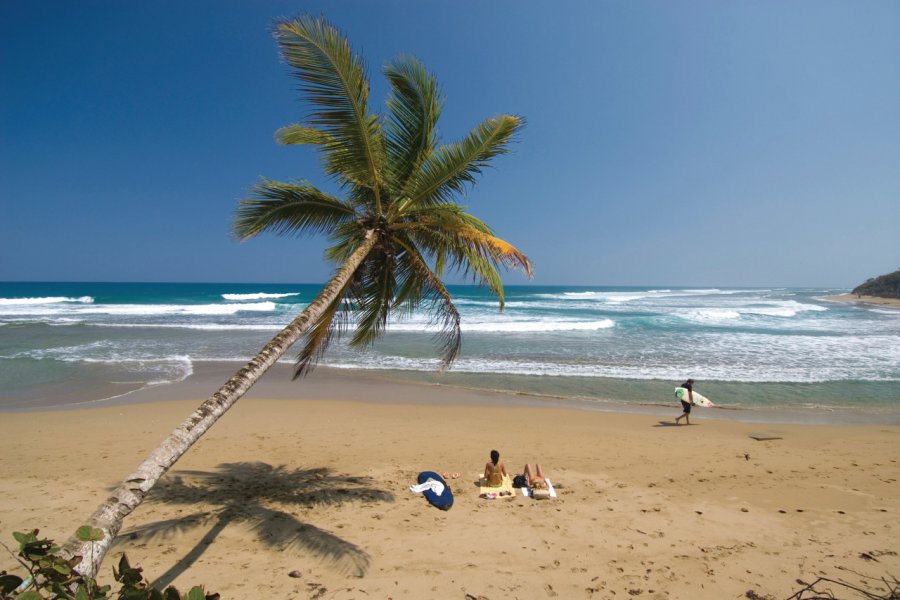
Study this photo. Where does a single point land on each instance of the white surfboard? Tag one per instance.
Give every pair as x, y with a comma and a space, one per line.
699, 399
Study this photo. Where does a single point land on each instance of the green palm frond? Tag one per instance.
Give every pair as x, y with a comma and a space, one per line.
414, 108
410, 289
375, 296
333, 322
289, 209
346, 237
334, 81
302, 135
447, 171
422, 284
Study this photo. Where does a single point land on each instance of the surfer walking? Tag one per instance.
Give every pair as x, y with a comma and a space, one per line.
686, 403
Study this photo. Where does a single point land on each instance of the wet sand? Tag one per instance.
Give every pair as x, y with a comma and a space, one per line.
853, 298
313, 479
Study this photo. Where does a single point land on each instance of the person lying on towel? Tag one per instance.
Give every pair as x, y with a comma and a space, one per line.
536, 481
494, 471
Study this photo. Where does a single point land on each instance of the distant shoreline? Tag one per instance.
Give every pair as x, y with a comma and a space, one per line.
857, 299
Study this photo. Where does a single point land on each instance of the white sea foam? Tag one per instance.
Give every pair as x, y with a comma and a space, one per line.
548, 303
710, 314
137, 309
184, 368
257, 296
733, 335
134, 357
509, 326
538, 326
637, 295
732, 311
182, 309
418, 326
46, 300
787, 371
198, 326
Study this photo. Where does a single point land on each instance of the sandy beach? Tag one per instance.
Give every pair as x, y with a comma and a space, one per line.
317, 485
853, 298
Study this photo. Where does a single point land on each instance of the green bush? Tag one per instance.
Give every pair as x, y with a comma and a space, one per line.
885, 286
51, 577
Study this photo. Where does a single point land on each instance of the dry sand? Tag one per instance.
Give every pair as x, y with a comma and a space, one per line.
853, 298
319, 485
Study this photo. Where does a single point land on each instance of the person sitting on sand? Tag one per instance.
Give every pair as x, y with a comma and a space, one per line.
535, 479
494, 471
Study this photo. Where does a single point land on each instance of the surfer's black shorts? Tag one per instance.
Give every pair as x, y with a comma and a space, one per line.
686, 406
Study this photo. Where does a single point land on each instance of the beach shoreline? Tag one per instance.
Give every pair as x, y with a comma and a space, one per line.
865, 300
761, 354
319, 485
428, 388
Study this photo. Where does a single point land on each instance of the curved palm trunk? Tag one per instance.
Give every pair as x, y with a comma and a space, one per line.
131, 492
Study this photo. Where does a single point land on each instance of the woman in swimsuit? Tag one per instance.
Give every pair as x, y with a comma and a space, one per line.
535, 478
494, 471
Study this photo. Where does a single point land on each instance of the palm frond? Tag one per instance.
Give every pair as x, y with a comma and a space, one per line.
448, 169
454, 226
333, 80
499, 251
289, 209
347, 237
422, 284
414, 107
302, 134
318, 338
464, 245
375, 296
470, 262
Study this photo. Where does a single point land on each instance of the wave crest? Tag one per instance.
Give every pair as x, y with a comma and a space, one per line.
257, 296
45, 300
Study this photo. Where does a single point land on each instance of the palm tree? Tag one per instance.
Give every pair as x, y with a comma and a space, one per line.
395, 232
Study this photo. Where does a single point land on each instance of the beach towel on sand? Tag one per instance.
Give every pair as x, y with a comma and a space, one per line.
504, 490
552, 492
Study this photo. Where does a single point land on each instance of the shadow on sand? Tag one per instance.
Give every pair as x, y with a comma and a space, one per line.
242, 493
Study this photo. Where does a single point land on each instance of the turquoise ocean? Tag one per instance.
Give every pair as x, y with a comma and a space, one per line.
772, 348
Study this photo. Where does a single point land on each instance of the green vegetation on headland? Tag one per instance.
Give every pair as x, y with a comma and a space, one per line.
885, 286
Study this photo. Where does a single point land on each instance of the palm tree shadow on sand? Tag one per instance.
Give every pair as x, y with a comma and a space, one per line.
245, 493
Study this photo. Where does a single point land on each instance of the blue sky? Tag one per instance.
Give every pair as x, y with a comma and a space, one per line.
667, 143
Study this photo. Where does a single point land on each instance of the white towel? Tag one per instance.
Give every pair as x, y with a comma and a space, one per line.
526, 492
430, 484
